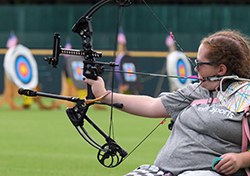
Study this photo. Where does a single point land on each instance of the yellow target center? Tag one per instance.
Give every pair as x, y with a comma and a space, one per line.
79, 70
182, 71
23, 69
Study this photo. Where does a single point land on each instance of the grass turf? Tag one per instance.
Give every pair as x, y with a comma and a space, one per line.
38, 142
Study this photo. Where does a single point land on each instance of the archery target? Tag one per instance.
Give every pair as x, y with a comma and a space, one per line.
178, 64
73, 68
21, 67
127, 64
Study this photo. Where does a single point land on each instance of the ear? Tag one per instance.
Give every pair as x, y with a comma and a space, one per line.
222, 70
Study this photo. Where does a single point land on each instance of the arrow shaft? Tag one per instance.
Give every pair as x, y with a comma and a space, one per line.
154, 74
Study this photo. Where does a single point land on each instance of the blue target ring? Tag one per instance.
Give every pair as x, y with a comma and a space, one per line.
181, 70
23, 69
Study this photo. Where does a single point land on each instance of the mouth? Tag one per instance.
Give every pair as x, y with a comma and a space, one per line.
200, 77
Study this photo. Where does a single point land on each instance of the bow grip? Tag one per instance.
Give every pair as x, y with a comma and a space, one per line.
90, 94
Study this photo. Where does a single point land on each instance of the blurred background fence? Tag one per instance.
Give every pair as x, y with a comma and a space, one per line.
35, 25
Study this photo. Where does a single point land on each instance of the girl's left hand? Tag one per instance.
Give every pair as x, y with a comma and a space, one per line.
230, 164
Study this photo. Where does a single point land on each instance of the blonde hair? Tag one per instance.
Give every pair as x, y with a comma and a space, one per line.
231, 48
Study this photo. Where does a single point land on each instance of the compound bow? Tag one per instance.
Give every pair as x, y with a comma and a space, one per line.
110, 154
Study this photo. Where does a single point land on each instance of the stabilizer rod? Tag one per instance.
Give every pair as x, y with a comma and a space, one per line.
32, 93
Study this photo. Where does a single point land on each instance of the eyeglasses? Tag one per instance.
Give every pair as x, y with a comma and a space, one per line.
198, 64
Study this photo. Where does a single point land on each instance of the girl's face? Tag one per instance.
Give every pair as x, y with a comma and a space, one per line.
205, 68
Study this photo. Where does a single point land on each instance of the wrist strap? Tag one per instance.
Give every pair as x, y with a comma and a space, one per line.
97, 99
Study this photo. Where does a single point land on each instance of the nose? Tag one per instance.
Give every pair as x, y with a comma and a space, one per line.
196, 69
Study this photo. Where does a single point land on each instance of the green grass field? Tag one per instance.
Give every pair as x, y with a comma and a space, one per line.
44, 142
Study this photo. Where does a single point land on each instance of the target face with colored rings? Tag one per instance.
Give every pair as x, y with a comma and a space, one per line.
178, 64
23, 69
20, 67
181, 70
129, 67
77, 70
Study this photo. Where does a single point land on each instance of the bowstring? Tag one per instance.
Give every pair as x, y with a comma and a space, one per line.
170, 33
172, 36
162, 121
111, 123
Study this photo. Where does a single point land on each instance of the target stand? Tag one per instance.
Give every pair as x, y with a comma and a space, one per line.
20, 70
9, 93
72, 80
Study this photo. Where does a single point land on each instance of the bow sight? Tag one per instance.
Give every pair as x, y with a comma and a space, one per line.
91, 68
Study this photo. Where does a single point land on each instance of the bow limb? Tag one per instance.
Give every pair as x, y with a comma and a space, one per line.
110, 154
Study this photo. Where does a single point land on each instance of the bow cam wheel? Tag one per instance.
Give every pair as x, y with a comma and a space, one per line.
110, 155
